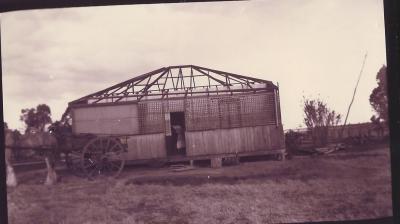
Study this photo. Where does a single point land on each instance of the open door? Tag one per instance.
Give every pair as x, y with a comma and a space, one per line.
175, 139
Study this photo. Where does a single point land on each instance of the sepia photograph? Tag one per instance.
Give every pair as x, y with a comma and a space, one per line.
202, 112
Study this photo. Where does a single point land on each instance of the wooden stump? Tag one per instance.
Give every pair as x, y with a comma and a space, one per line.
281, 156
216, 162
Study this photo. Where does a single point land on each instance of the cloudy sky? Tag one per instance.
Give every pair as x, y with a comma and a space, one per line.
312, 48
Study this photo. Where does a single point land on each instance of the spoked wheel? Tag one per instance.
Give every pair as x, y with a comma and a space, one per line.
73, 161
103, 156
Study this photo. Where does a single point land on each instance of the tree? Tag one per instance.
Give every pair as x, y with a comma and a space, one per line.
318, 117
378, 98
37, 117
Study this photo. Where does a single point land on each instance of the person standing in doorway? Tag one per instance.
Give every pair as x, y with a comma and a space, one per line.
180, 143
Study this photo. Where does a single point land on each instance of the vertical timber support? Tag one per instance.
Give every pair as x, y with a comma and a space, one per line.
276, 108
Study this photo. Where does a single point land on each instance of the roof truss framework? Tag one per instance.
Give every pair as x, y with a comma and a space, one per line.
177, 81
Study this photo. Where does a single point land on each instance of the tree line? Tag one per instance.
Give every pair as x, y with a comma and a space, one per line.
40, 118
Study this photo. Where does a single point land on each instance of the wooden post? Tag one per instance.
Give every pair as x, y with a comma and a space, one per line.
191, 162
237, 160
216, 162
281, 156
276, 108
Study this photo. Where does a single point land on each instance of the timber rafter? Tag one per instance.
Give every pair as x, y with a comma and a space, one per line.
173, 81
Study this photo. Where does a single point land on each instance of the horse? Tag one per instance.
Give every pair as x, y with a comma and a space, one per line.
42, 142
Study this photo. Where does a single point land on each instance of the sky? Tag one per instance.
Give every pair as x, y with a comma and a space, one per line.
311, 48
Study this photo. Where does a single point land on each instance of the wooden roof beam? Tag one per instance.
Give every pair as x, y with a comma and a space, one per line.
219, 81
140, 77
236, 75
144, 90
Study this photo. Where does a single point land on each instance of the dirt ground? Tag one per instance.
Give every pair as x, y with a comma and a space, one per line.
352, 184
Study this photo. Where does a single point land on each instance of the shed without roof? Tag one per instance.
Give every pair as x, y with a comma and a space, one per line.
175, 82
221, 114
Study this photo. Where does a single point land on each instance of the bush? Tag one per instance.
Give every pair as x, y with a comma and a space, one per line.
292, 140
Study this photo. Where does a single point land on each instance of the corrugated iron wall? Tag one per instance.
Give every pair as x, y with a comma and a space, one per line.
234, 140
109, 120
146, 146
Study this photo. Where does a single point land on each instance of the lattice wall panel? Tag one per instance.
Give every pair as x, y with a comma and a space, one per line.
258, 110
174, 106
210, 113
229, 112
214, 114
151, 118
200, 114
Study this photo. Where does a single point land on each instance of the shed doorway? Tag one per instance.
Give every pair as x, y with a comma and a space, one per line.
176, 145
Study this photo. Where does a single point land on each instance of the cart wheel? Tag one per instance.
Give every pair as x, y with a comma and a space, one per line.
103, 156
73, 162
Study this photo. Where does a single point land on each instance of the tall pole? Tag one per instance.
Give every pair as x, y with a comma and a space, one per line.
354, 93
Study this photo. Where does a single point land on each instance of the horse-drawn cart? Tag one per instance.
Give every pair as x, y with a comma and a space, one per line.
95, 155
86, 155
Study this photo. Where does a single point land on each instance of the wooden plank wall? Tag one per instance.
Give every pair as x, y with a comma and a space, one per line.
116, 119
234, 140
146, 146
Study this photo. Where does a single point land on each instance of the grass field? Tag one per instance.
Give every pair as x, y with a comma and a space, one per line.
353, 184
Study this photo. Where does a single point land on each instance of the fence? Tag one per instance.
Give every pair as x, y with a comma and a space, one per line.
352, 133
